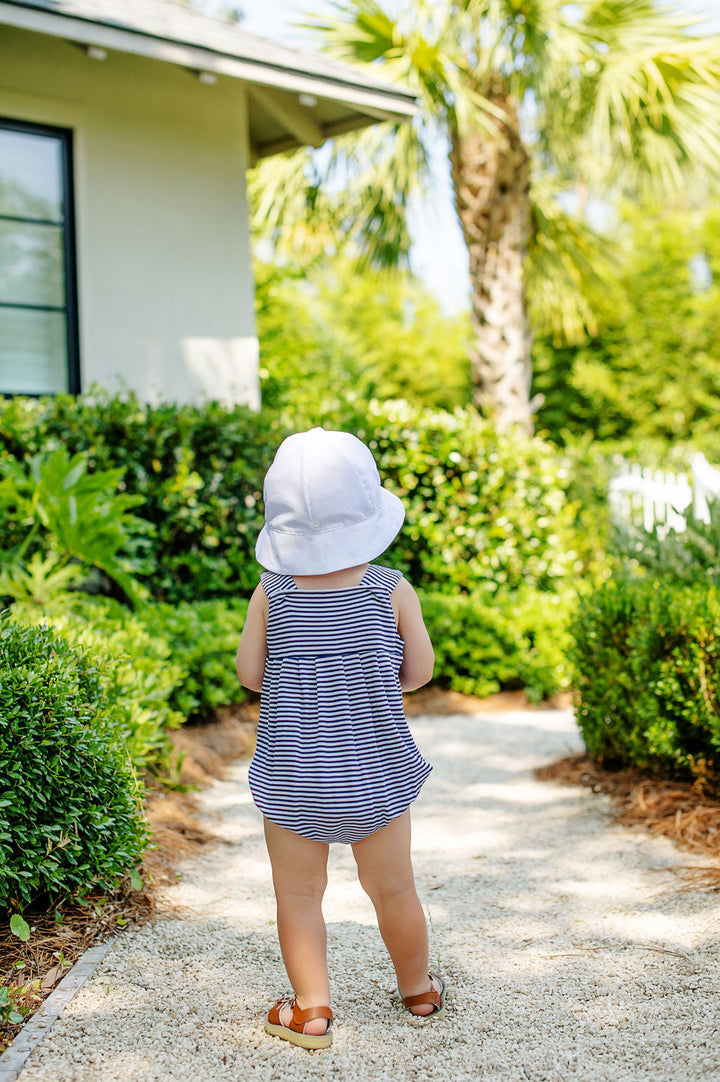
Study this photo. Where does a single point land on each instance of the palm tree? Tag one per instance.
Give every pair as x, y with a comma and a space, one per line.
536, 98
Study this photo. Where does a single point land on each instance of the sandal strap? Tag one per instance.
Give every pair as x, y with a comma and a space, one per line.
435, 999
300, 1017
430, 996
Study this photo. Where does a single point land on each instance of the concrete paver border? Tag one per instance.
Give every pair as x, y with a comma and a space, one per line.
13, 1059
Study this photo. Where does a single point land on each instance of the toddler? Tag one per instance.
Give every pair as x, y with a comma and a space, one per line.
331, 641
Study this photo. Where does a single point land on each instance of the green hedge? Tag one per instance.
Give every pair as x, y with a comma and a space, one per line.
647, 660
483, 509
203, 637
483, 643
198, 470
492, 527
70, 804
486, 643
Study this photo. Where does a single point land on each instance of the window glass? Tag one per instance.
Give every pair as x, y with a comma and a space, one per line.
33, 356
30, 175
31, 264
38, 351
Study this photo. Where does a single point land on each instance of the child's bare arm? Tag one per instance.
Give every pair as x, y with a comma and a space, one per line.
252, 651
418, 656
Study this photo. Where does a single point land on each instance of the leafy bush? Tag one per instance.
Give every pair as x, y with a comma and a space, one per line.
485, 643
52, 501
163, 664
204, 638
141, 674
690, 556
647, 658
483, 509
198, 470
70, 803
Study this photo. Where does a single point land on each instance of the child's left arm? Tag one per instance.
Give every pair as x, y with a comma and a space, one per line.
418, 656
252, 651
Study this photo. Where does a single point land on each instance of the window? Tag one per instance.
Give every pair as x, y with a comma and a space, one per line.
38, 304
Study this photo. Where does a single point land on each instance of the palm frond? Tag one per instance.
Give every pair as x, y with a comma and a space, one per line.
641, 96
567, 262
354, 193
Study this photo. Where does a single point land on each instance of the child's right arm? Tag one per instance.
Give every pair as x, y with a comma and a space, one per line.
252, 651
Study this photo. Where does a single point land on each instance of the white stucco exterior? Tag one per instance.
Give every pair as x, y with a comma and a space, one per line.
165, 289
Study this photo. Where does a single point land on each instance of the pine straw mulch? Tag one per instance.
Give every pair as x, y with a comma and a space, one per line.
59, 936
678, 810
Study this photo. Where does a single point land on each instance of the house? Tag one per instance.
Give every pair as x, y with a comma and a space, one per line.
126, 129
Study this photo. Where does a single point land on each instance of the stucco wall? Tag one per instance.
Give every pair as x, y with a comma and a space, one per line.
164, 276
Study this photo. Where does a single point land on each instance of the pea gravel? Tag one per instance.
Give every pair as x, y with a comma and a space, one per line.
570, 949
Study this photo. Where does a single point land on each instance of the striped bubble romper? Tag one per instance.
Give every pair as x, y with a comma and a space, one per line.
335, 760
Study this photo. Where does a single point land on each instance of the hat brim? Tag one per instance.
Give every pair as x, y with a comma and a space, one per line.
290, 553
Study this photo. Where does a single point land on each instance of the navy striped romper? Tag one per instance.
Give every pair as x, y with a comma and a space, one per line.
335, 760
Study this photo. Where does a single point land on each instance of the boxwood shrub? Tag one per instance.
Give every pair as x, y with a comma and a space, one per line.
646, 654
484, 510
70, 803
141, 673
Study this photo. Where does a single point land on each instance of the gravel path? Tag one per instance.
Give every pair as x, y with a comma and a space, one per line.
569, 949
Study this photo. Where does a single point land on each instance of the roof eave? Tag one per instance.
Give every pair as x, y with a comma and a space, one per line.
372, 103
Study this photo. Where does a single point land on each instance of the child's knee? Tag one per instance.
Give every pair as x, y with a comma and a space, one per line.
386, 888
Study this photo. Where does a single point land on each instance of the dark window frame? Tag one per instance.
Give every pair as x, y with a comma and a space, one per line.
72, 327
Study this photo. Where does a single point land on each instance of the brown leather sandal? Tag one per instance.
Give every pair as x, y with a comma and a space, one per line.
436, 999
295, 1032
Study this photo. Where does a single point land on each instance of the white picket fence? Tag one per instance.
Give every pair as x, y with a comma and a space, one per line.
657, 498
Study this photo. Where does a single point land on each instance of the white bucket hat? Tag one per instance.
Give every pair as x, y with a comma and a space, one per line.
325, 507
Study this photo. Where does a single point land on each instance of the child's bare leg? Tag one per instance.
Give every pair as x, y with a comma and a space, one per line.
299, 868
386, 874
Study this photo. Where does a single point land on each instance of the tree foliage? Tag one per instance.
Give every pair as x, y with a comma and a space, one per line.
534, 99
330, 337
652, 370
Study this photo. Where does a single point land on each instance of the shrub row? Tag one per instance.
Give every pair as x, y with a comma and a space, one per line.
166, 664
483, 643
646, 653
484, 510
487, 642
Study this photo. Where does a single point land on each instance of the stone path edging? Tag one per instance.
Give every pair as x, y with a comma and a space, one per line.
14, 1057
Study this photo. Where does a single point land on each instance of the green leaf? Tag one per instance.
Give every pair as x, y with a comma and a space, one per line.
19, 927
136, 879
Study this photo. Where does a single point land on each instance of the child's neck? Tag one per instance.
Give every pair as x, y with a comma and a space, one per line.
334, 580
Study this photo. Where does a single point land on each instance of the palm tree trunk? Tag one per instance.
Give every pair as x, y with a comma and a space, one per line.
491, 179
